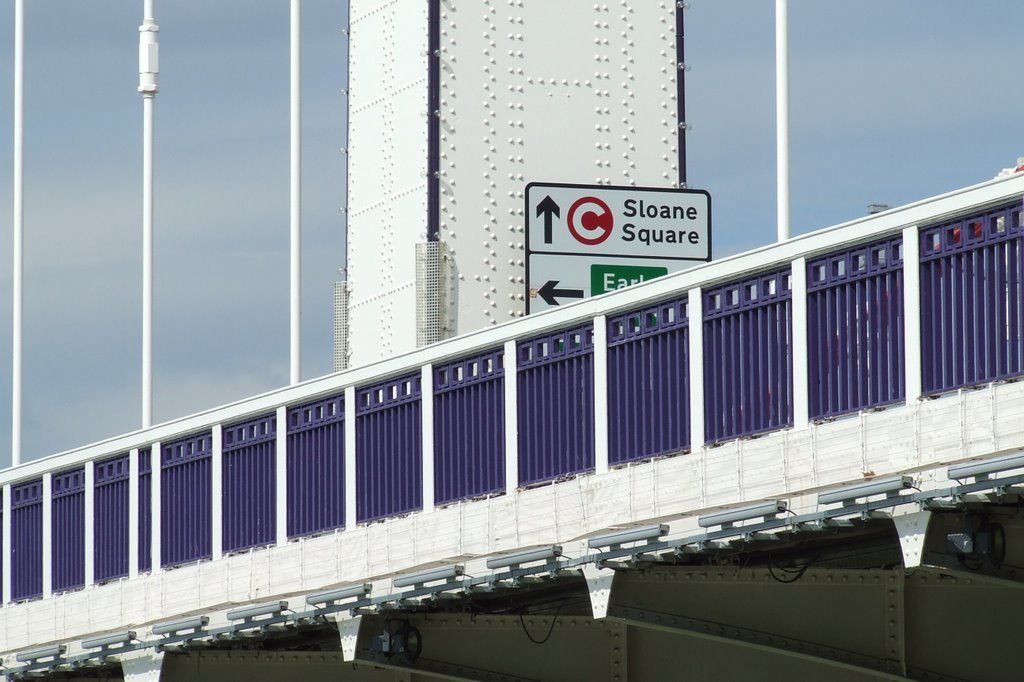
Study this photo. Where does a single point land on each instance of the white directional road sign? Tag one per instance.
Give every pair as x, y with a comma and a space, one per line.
559, 280
585, 240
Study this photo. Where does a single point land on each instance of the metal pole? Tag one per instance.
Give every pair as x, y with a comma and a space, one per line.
296, 197
19, 217
782, 114
149, 70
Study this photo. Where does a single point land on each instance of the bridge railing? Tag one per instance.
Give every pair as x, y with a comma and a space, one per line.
810, 329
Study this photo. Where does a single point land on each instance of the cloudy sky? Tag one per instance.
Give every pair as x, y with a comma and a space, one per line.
892, 101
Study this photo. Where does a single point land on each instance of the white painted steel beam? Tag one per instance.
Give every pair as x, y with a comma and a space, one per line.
639, 60
599, 588
142, 666
348, 624
912, 528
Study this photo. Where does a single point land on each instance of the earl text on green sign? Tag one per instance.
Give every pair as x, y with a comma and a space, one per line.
605, 278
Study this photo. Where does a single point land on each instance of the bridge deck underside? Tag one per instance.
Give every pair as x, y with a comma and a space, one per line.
834, 603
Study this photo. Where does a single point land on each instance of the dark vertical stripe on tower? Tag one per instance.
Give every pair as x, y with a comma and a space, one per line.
681, 91
433, 119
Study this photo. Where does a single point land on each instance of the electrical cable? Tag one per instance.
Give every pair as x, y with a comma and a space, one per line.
551, 628
797, 573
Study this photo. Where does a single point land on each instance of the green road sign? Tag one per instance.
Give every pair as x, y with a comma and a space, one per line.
605, 278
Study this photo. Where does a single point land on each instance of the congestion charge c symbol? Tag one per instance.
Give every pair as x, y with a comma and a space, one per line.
594, 224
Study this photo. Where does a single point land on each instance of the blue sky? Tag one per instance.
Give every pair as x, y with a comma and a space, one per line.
892, 101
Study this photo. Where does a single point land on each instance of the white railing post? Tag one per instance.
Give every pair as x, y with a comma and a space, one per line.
695, 320
912, 313
801, 403
511, 361
216, 492
47, 534
427, 429
281, 471
7, 545
133, 513
350, 457
600, 394
155, 505
90, 528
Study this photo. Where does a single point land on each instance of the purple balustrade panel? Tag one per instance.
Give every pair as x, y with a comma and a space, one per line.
145, 510
469, 427
855, 330
67, 528
316, 467
185, 500
110, 519
27, 540
972, 302
249, 484
748, 357
648, 382
389, 449
556, 405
